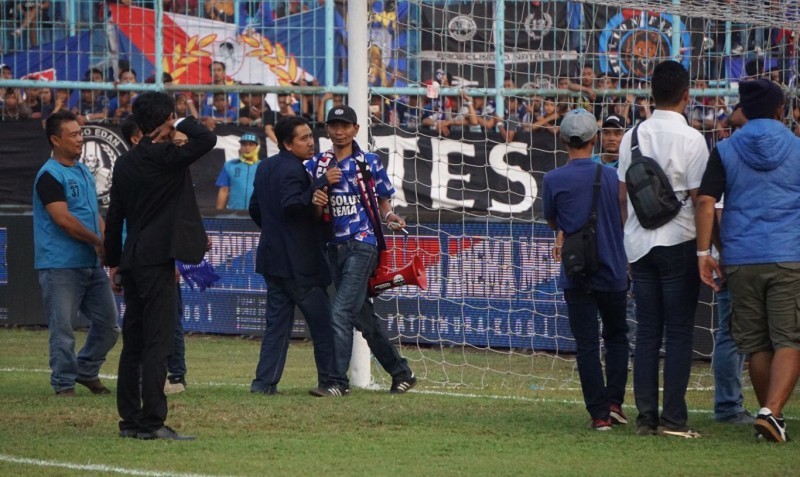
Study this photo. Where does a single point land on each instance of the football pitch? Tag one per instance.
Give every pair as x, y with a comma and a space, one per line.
434, 430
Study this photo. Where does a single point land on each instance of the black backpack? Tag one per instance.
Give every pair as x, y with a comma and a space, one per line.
649, 189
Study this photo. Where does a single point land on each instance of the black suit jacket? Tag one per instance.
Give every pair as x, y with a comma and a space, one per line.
292, 239
152, 193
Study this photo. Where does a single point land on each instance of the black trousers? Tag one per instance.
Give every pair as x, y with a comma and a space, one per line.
148, 329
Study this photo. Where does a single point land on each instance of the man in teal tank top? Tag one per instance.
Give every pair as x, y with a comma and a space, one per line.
68, 240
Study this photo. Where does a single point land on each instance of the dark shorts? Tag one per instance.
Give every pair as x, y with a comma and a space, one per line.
765, 300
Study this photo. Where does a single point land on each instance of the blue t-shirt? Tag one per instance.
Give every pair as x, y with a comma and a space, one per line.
350, 220
238, 176
567, 198
598, 160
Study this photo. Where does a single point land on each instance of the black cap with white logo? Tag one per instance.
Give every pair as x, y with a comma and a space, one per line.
345, 114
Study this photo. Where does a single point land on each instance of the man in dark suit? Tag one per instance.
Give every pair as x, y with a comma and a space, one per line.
290, 253
152, 193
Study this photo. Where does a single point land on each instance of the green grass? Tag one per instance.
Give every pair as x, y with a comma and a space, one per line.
440, 429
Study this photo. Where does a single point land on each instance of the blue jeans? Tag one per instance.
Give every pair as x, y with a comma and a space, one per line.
176, 366
65, 291
667, 285
600, 392
352, 263
282, 296
727, 363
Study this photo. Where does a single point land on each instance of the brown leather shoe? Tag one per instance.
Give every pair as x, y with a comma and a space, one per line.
66, 393
94, 385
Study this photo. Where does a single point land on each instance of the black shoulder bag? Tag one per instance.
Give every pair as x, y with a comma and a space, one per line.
649, 190
579, 252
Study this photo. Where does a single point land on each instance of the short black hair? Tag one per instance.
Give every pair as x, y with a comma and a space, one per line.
151, 109
92, 71
52, 125
575, 143
285, 127
127, 70
670, 80
217, 63
129, 129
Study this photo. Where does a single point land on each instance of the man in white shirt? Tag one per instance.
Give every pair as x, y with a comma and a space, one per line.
663, 260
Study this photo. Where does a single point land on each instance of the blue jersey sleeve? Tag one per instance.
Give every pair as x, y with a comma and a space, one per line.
548, 207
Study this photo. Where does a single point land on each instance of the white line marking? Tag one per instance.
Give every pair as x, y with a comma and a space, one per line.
94, 467
413, 391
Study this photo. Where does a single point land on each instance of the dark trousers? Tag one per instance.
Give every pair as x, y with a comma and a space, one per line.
600, 392
667, 285
177, 359
148, 330
282, 296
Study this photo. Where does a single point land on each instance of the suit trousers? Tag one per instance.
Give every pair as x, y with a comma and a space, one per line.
148, 330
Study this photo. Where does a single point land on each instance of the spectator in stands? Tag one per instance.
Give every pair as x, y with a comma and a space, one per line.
464, 117
182, 105
549, 118
120, 107
353, 250
763, 280
92, 107
221, 112
407, 112
235, 180
53, 105
705, 112
219, 78
222, 10
32, 102
512, 122
285, 103
253, 110
586, 87
434, 115
568, 197
13, 109
305, 104
68, 239
337, 100
6, 72
484, 111
662, 260
290, 255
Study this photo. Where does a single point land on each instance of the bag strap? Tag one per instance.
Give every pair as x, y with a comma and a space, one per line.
635, 151
595, 194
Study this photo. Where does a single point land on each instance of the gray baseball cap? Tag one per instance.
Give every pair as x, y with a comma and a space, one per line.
578, 123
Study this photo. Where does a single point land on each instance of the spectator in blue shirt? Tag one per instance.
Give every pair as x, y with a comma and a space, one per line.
235, 180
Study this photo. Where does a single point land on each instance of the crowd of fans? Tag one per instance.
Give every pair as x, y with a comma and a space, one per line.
447, 116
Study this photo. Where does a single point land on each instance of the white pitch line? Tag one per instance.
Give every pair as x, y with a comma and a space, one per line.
415, 391
94, 467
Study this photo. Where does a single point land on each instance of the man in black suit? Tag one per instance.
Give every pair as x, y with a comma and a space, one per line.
290, 253
152, 193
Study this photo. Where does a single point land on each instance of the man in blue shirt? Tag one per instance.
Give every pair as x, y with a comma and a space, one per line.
610, 139
235, 180
567, 204
68, 238
356, 206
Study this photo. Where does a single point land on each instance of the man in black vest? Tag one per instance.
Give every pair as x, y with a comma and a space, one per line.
152, 193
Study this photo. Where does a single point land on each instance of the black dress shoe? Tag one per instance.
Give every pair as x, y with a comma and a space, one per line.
164, 433
129, 433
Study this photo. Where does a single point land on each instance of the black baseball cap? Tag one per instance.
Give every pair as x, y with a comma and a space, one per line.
614, 121
345, 114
